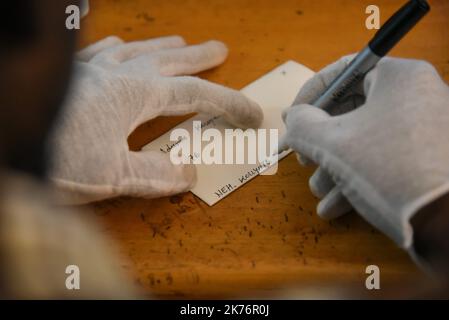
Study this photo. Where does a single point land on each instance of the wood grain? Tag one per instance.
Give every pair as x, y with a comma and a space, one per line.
266, 236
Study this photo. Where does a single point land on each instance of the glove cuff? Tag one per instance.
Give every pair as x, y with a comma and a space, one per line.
409, 212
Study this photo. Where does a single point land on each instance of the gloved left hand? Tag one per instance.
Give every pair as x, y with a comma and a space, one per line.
117, 87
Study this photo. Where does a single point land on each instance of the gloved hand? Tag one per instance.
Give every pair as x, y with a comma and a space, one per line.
384, 149
117, 87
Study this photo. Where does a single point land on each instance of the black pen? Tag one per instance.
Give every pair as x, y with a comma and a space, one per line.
385, 39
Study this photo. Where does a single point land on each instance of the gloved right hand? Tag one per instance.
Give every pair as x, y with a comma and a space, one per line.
383, 150
117, 87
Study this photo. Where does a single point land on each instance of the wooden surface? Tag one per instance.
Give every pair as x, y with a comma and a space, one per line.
265, 237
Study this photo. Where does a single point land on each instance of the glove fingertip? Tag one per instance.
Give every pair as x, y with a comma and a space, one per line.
177, 39
323, 211
315, 187
251, 116
219, 46
305, 117
256, 115
189, 177
217, 50
333, 205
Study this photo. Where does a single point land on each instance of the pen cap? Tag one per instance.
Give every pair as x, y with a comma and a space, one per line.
397, 26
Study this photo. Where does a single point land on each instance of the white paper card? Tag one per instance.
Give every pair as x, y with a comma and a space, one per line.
274, 91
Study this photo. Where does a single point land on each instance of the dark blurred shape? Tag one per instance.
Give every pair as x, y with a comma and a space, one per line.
36, 52
431, 225
18, 23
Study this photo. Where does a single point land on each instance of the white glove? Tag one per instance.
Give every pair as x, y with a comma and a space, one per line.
390, 156
118, 87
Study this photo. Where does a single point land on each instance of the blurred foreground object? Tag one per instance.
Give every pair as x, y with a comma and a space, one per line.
38, 241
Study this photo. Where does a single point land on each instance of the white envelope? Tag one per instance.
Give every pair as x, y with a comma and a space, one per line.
274, 91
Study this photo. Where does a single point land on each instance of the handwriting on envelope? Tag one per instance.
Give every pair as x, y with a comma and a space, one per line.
274, 91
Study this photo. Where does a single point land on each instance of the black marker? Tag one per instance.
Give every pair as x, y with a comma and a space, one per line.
385, 39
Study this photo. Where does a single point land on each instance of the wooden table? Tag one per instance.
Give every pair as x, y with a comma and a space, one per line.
265, 237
